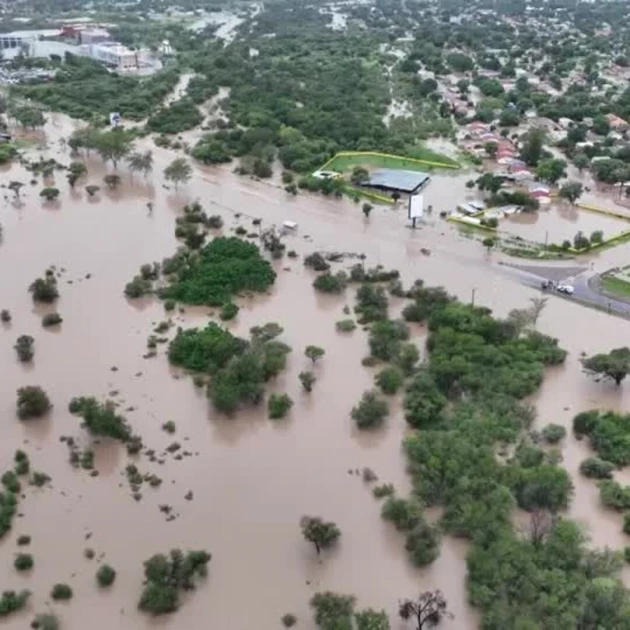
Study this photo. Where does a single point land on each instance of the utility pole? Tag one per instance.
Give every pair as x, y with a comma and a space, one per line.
472, 300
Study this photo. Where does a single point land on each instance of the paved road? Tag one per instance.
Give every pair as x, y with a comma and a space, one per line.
533, 276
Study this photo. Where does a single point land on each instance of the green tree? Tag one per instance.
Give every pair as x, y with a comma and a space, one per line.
367, 208
50, 193
581, 161
491, 149
551, 170
319, 532
141, 162
105, 575
314, 353
27, 115
427, 611
15, 187
91, 189
76, 170
333, 611
112, 181
488, 243
389, 380
101, 419
571, 191
359, 175
278, 406
308, 380
24, 348
532, 149
113, 145
614, 365
371, 411
179, 171
371, 620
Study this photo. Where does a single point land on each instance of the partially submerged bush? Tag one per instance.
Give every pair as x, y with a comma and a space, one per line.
345, 325
228, 311
61, 592
44, 289
11, 601
23, 562
370, 412
101, 419
279, 405
389, 380
105, 575
24, 348
553, 433
32, 402
51, 319
597, 468
331, 283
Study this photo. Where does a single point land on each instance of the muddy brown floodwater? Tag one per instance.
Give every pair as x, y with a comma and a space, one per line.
251, 479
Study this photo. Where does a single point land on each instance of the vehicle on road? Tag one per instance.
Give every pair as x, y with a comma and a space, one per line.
567, 289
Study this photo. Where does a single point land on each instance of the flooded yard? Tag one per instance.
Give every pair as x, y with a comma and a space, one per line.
251, 479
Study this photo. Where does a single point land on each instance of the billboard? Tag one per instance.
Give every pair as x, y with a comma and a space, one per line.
415, 209
114, 119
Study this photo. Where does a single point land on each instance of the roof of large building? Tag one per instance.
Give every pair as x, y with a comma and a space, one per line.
396, 179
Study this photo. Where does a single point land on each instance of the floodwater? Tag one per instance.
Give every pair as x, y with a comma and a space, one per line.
560, 221
252, 479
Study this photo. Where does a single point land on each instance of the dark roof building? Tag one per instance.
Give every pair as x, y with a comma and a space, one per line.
396, 180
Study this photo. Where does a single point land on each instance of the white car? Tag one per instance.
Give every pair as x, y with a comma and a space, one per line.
566, 288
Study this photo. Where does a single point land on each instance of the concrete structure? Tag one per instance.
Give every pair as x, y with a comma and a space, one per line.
397, 180
93, 36
23, 39
114, 55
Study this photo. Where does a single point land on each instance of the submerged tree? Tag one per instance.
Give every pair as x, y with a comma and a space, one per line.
113, 145
141, 162
179, 171
32, 402
24, 348
15, 188
91, 190
314, 353
427, 611
112, 180
50, 193
614, 365
319, 532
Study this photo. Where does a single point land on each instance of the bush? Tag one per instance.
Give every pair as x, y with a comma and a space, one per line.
101, 419
308, 380
214, 222
422, 544
331, 283
372, 303
44, 289
32, 402
11, 601
225, 267
389, 380
345, 325
288, 620
370, 412
316, 261
138, 287
553, 433
23, 540
5, 316
596, 468
386, 337
167, 575
24, 348
23, 562
179, 116
228, 311
45, 621
61, 592
404, 514
105, 575
51, 319
278, 406
384, 490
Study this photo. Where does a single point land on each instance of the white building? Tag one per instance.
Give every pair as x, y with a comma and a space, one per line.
114, 55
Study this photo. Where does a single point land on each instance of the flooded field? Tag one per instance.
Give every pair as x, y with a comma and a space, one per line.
251, 479
560, 221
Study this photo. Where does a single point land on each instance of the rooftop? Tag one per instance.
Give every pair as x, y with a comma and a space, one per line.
396, 179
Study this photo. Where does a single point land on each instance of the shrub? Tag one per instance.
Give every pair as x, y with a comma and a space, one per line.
288, 620
316, 261
308, 380
389, 380
23, 562
101, 418
167, 575
372, 303
32, 402
214, 222
370, 412
51, 319
331, 283
24, 348
5, 316
422, 544
384, 490
138, 287
345, 325
224, 268
386, 337
44, 289
228, 311
314, 353
596, 468
11, 601
169, 427
45, 621
23, 540
404, 514
553, 433
105, 575
169, 305
278, 406
61, 592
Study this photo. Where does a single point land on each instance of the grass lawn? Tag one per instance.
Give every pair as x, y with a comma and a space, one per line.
344, 163
616, 286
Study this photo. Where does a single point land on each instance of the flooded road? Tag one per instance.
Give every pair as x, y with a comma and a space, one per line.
251, 479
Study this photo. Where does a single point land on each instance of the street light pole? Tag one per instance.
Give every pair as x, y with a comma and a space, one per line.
472, 300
